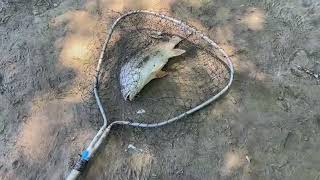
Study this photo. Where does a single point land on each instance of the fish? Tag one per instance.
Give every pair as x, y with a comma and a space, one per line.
146, 66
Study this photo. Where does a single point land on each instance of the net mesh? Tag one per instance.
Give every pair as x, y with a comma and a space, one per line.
193, 77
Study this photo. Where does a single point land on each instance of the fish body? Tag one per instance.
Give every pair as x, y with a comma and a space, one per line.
145, 66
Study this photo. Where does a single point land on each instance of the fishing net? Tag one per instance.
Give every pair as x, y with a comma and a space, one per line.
193, 77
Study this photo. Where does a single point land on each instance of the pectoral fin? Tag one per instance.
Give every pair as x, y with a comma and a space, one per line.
161, 74
176, 52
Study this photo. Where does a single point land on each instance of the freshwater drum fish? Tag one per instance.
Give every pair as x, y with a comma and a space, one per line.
147, 65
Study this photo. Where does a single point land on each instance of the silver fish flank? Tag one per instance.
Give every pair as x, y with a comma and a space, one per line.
147, 65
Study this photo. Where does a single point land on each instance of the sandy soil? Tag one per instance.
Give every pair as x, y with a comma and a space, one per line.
266, 127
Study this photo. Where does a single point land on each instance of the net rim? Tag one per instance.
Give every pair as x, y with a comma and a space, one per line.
104, 130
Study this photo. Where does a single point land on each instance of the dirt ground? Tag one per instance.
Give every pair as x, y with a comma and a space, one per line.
266, 127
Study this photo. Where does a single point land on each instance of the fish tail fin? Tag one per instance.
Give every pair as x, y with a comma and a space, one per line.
173, 42
176, 52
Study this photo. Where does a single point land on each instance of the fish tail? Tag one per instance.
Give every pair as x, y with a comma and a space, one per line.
173, 42
176, 52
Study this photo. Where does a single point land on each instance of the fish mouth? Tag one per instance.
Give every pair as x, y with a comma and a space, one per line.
128, 97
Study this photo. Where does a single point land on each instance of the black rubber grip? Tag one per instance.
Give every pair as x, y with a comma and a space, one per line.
80, 165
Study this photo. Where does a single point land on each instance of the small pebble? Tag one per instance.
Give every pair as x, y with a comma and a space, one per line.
141, 111
132, 149
35, 12
154, 176
15, 164
248, 159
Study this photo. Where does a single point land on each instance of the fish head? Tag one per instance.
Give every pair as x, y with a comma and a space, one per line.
130, 97
129, 93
